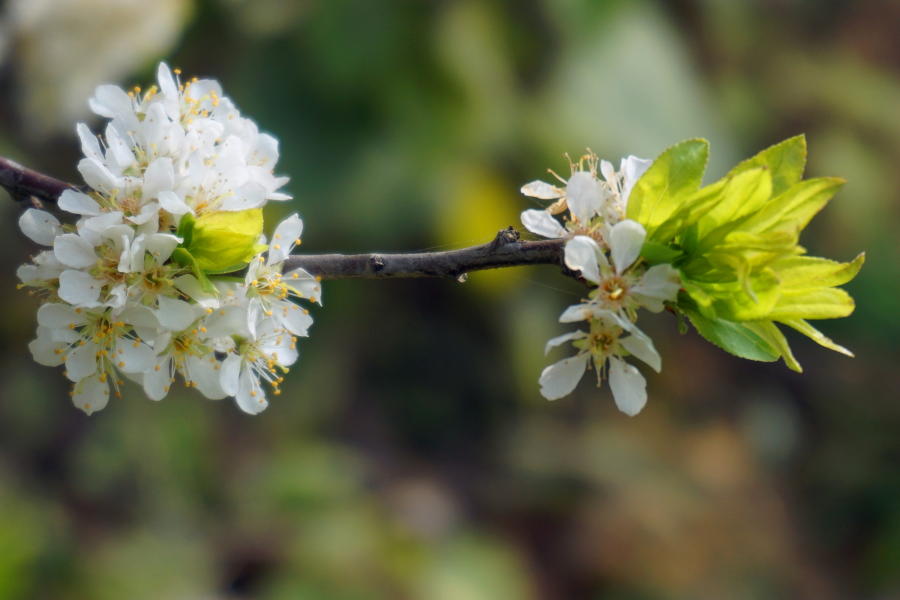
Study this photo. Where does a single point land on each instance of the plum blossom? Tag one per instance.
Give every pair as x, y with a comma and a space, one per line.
605, 347
123, 297
594, 204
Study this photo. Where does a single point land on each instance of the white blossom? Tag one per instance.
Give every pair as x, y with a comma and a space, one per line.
115, 304
605, 347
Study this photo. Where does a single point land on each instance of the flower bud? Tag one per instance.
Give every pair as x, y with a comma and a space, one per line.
223, 239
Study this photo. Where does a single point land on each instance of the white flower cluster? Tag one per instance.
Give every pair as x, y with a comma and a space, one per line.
122, 295
605, 247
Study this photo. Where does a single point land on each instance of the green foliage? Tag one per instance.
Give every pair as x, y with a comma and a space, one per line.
675, 175
736, 244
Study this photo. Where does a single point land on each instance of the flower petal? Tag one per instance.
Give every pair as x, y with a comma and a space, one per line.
228, 321
205, 373
133, 356
230, 374
628, 386
542, 190
250, 396
626, 239
97, 175
110, 100
39, 226
632, 168
91, 394
562, 339
190, 286
542, 223
584, 195
175, 315
161, 246
159, 176
659, 284
78, 203
292, 317
90, 146
47, 351
158, 379
581, 255
79, 288
577, 312
172, 203
166, 81
283, 240
641, 346
82, 362
559, 379
60, 316
118, 153
305, 284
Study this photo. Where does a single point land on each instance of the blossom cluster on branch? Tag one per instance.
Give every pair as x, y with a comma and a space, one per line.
166, 270
139, 286
726, 256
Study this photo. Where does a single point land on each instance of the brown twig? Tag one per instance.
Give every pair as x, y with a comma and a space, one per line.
31, 188
505, 251
28, 187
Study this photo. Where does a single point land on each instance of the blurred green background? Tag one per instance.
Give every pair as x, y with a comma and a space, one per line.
411, 455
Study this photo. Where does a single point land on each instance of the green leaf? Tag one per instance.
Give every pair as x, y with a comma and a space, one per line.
805, 273
734, 338
184, 258
786, 161
657, 254
185, 229
768, 331
732, 300
690, 211
816, 335
670, 181
829, 303
230, 269
795, 207
696, 298
744, 194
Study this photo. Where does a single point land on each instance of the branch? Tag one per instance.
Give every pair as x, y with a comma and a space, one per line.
505, 251
28, 187
31, 188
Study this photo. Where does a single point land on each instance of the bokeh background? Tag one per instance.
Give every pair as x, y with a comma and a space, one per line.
411, 455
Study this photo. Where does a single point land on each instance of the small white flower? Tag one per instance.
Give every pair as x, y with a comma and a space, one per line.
258, 359
272, 291
619, 287
586, 198
91, 343
604, 346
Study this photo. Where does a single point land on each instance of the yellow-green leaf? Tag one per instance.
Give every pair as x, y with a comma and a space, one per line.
768, 331
669, 182
816, 335
734, 338
795, 207
803, 273
786, 161
744, 194
829, 303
